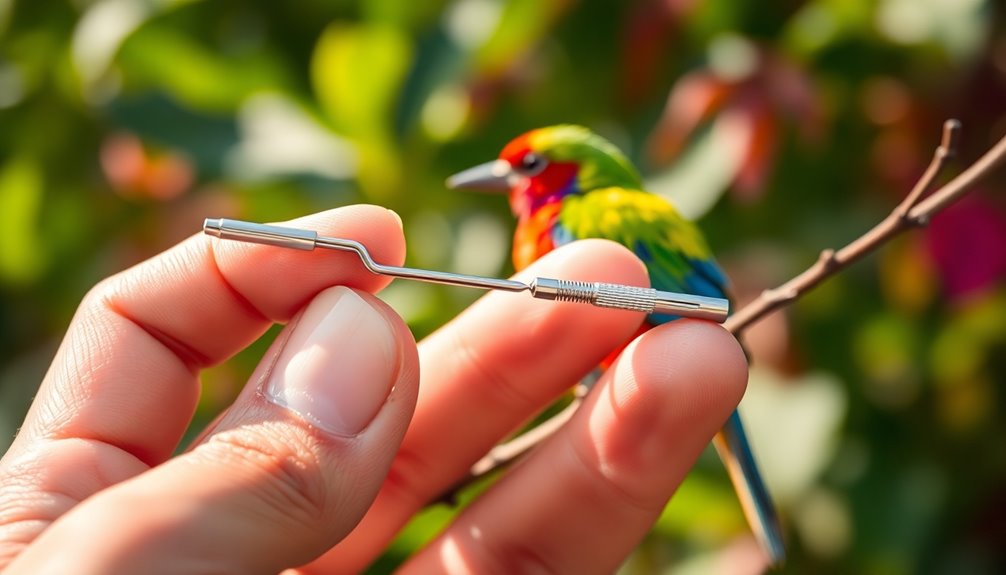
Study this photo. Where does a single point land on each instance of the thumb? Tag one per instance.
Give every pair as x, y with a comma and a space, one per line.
286, 473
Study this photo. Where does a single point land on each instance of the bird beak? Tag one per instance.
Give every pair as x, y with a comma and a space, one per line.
494, 176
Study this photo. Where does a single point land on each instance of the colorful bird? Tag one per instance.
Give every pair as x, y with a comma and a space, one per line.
566, 183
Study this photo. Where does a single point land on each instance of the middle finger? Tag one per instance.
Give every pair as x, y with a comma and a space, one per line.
484, 374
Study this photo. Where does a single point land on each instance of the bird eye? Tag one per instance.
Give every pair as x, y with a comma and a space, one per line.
532, 164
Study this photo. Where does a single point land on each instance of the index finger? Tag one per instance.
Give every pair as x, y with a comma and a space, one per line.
123, 385
126, 373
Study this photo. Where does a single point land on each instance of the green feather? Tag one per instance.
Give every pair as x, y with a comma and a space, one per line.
647, 224
601, 163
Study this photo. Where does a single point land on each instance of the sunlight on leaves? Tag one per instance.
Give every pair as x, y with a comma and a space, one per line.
794, 426
445, 112
813, 27
703, 172
357, 71
104, 27
197, 75
278, 138
101, 31
481, 247
470, 23
959, 26
820, 24
521, 24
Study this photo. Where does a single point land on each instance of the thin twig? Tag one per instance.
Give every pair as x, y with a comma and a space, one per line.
946, 150
914, 211
505, 453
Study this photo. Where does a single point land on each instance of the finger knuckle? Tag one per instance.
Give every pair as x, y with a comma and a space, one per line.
279, 466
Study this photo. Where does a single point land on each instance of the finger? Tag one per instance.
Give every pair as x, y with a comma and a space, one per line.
484, 374
193, 306
601, 482
124, 383
289, 470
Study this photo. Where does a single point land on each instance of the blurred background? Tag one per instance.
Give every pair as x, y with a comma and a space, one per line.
876, 404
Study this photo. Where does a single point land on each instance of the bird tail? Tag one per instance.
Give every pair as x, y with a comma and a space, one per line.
732, 445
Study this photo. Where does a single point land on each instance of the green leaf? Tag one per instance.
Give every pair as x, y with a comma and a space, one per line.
412, 15
104, 26
702, 174
194, 74
963, 345
22, 254
357, 71
885, 349
818, 25
701, 505
521, 24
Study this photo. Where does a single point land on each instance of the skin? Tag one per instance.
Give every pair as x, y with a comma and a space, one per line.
263, 490
564, 183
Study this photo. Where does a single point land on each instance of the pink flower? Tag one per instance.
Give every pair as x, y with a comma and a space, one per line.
968, 244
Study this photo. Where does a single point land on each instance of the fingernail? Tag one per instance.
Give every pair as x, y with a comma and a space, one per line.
337, 367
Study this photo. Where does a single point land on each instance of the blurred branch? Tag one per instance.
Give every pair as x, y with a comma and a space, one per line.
914, 211
911, 212
507, 452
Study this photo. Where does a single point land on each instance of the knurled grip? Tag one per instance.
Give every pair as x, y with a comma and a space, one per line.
625, 297
596, 293
646, 300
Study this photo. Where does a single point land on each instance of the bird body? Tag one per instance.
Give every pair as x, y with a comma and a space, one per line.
674, 251
566, 183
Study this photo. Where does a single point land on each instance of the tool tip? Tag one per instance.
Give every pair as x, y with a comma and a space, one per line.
212, 226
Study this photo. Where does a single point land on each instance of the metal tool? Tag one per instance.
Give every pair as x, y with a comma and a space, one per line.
598, 294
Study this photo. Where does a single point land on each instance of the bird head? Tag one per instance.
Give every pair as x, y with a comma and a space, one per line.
547, 164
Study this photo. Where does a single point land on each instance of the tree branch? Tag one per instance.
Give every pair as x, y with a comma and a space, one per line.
911, 212
914, 211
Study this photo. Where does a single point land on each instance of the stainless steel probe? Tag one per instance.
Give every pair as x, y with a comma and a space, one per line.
605, 295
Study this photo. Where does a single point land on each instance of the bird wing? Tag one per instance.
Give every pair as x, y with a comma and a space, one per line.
676, 255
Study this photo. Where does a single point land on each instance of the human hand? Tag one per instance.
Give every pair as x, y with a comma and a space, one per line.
334, 443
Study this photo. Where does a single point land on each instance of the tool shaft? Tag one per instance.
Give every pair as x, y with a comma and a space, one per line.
605, 295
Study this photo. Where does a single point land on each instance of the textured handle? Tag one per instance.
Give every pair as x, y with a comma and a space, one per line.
625, 297
647, 300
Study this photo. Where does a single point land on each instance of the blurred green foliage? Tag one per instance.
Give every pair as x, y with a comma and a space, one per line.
788, 127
